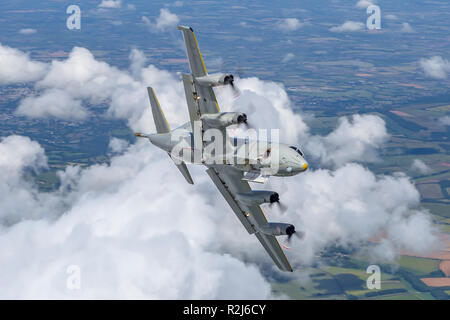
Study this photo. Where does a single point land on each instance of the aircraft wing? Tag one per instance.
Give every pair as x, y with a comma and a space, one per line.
201, 99
229, 182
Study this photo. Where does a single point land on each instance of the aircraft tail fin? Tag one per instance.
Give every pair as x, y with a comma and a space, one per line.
162, 126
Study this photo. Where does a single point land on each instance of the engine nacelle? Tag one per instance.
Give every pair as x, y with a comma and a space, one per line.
215, 79
223, 119
278, 229
257, 197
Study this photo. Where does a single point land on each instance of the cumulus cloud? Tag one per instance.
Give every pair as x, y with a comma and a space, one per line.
124, 220
19, 152
52, 103
19, 198
267, 105
406, 28
348, 26
117, 145
391, 17
138, 61
121, 230
420, 166
83, 78
288, 57
27, 31
355, 139
351, 205
165, 21
129, 238
110, 4
16, 66
289, 24
435, 67
363, 4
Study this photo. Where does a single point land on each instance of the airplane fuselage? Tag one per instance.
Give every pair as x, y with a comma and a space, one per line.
269, 158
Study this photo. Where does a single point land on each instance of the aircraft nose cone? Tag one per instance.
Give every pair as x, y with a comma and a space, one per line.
305, 166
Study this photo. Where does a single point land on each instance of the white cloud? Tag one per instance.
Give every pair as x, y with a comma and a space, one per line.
445, 120
165, 21
289, 24
349, 26
267, 105
129, 238
20, 200
348, 207
406, 28
363, 4
117, 145
16, 66
357, 139
288, 57
126, 221
17, 152
27, 31
391, 17
420, 166
178, 3
435, 67
352, 205
122, 230
82, 78
110, 4
52, 103
138, 62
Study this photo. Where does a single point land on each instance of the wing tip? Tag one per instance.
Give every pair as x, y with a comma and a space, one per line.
180, 27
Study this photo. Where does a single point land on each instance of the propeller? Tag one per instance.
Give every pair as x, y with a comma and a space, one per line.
290, 231
275, 200
230, 81
243, 121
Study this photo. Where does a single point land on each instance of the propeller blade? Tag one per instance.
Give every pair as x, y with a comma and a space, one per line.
287, 243
236, 91
281, 207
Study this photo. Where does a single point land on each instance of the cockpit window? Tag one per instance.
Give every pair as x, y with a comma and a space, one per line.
297, 149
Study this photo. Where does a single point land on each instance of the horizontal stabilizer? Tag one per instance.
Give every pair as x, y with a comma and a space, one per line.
185, 172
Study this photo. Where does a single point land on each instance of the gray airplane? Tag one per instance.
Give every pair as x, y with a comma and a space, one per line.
233, 162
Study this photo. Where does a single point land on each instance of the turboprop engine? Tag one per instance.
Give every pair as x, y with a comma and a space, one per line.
223, 119
215, 79
278, 229
257, 197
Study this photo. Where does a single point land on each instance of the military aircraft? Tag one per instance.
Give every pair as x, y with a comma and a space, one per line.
232, 162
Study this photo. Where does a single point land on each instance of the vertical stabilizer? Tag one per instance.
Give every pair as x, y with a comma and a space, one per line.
162, 126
